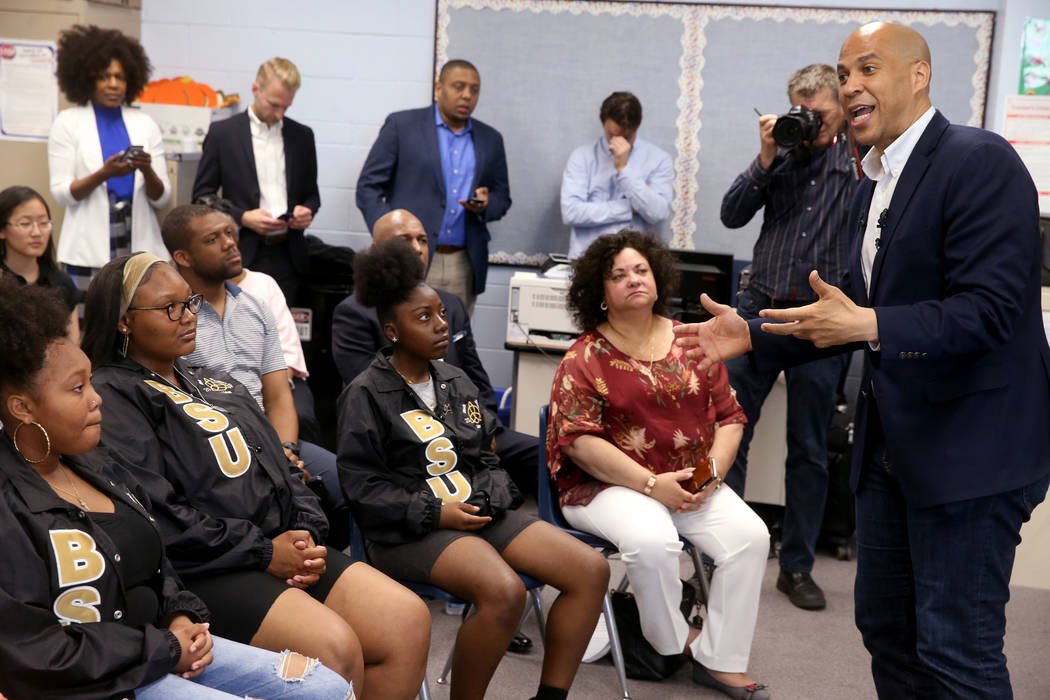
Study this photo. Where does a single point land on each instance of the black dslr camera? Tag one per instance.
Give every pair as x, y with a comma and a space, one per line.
798, 125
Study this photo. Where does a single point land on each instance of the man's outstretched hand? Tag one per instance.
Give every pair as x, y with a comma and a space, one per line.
833, 319
716, 340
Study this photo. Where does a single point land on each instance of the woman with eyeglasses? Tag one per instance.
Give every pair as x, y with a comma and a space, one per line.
27, 252
91, 607
105, 162
242, 531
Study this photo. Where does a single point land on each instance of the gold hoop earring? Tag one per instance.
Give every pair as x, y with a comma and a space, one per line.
47, 439
603, 306
124, 347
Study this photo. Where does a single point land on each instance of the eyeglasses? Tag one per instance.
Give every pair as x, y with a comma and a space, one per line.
27, 226
176, 309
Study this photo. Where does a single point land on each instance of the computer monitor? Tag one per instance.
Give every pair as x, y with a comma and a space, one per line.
700, 272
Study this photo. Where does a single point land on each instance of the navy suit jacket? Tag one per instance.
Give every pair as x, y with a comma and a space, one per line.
403, 171
961, 380
357, 337
228, 164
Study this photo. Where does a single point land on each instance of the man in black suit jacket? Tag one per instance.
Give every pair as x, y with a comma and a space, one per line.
449, 170
357, 336
952, 450
266, 165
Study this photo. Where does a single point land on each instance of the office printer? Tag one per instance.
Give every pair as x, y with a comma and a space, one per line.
536, 312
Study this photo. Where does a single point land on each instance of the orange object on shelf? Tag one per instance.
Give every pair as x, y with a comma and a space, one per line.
185, 91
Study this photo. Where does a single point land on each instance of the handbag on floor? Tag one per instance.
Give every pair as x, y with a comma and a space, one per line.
640, 660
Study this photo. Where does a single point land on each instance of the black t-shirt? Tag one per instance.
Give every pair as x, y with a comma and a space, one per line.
140, 551
52, 278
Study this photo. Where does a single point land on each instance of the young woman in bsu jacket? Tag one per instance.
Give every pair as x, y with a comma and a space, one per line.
416, 463
91, 607
244, 531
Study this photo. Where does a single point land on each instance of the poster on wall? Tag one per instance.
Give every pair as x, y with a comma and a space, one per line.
28, 89
1027, 127
1035, 57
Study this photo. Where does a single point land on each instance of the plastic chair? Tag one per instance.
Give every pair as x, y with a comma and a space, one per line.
550, 511
426, 590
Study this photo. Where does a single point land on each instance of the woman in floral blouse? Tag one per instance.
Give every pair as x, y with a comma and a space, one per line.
630, 419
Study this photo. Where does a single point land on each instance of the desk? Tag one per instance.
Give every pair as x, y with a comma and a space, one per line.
765, 459
533, 376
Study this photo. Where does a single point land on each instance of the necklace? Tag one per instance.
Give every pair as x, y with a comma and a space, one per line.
649, 333
74, 493
407, 380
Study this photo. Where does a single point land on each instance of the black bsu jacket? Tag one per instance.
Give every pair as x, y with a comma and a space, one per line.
399, 461
62, 599
211, 462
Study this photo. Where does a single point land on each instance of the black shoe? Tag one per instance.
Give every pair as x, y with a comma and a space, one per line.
520, 644
754, 691
801, 590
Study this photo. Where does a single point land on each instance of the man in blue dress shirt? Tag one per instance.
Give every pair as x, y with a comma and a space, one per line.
448, 169
619, 181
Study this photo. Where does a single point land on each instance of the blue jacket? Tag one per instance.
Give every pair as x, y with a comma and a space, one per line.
403, 171
961, 381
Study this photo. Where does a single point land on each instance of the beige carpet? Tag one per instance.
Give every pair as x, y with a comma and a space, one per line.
800, 655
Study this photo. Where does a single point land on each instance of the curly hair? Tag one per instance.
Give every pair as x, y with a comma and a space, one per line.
385, 276
32, 317
84, 53
591, 269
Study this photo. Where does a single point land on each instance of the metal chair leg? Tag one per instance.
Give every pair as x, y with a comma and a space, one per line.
424, 690
698, 564
537, 606
443, 678
614, 642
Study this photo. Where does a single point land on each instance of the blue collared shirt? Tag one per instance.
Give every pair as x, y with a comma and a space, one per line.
597, 200
457, 169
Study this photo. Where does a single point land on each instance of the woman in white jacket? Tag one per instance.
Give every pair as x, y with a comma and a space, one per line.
106, 160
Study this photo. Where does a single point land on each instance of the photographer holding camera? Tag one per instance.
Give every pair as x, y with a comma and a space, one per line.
804, 176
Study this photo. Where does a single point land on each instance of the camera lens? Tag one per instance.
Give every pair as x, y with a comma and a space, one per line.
788, 131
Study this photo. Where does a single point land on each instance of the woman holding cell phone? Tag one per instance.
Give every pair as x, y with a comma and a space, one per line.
106, 161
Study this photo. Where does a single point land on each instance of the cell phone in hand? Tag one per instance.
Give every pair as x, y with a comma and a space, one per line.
287, 216
131, 152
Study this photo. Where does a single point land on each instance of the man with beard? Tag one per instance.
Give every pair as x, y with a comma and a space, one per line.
237, 333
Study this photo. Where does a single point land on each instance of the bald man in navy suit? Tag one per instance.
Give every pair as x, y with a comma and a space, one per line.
952, 447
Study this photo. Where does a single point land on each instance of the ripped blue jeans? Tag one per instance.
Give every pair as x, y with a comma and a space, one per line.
240, 671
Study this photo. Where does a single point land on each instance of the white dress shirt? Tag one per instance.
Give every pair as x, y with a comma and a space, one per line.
885, 169
268, 147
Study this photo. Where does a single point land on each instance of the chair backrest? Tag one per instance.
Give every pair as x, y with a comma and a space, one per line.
357, 541
546, 500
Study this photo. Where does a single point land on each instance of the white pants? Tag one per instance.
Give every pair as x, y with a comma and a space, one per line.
646, 533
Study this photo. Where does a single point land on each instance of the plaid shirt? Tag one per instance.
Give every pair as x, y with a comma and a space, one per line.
804, 225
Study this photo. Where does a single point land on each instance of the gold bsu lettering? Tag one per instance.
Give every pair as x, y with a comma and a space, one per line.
227, 444
446, 482
78, 562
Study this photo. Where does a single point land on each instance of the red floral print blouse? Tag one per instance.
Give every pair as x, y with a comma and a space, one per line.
663, 415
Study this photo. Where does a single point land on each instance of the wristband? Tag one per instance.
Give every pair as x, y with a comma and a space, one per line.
649, 485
